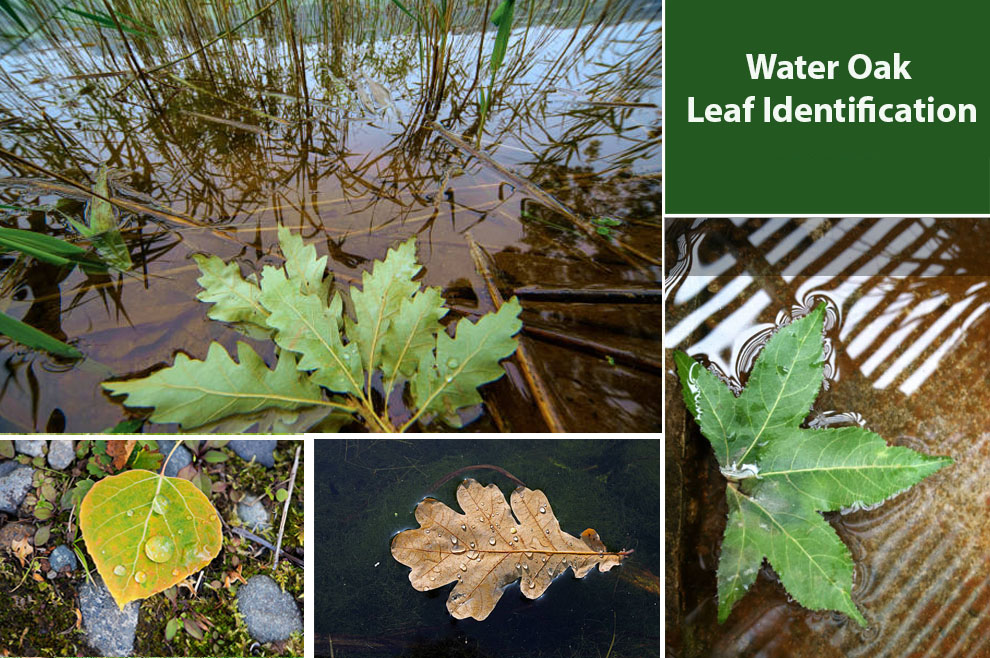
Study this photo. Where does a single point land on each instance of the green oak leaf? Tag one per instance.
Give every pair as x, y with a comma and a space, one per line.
194, 393
393, 339
448, 379
380, 299
234, 299
782, 476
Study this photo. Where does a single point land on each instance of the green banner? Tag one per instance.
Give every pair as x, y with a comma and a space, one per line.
841, 108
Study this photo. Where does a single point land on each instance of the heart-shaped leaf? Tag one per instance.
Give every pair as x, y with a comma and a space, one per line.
147, 532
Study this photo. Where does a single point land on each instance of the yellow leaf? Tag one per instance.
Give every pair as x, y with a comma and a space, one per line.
147, 532
486, 549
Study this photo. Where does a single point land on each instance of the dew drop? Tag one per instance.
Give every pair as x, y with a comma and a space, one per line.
140, 577
512, 532
104, 551
159, 548
188, 517
449, 379
433, 577
159, 504
130, 512
457, 550
532, 584
439, 533
119, 570
547, 531
464, 567
472, 544
491, 541
453, 539
525, 567
452, 363
518, 566
529, 554
463, 526
473, 555
550, 571
544, 558
427, 531
543, 509
175, 572
515, 539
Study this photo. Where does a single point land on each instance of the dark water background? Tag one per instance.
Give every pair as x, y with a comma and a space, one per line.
366, 492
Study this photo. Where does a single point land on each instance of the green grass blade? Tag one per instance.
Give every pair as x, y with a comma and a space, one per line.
406, 11
28, 336
10, 11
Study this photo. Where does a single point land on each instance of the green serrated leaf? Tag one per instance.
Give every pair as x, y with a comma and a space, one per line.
411, 333
449, 379
234, 299
304, 268
193, 393
782, 476
304, 324
379, 301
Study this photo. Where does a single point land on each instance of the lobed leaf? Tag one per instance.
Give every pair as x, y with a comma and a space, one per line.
448, 379
304, 324
193, 393
781, 476
234, 299
489, 547
379, 301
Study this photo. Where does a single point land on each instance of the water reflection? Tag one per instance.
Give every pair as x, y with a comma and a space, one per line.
211, 148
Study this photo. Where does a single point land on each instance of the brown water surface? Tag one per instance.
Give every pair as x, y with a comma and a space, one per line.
219, 148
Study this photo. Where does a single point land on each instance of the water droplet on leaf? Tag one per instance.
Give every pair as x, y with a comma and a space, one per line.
159, 548
119, 570
159, 504
140, 577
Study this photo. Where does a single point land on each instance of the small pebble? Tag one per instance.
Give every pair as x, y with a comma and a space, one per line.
252, 513
15, 482
270, 614
109, 629
180, 458
261, 450
62, 558
61, 453
30, 447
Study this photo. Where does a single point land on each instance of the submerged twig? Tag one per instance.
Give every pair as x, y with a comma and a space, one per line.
474, 467
285, 508
540, 394
250, 536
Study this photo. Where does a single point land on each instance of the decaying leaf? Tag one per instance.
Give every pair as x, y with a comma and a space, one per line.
120, 450
22, 549
486, 549
147, 532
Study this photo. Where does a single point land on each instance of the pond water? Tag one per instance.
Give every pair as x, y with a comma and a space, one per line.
278, 124
906, 345
366, 493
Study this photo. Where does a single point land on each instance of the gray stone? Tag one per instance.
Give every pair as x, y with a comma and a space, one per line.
109, 630
180, 458
61, 558
252, 513
270, 614
30, 447
261, 450
61, 452
15, 482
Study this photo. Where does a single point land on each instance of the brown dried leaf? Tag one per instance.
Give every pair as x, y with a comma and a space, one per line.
22, 549
120, 450
486, 549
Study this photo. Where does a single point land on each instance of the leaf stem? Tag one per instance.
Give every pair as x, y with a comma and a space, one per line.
165, 463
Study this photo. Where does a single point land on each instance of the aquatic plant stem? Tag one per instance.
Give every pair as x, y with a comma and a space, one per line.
285, 508
540, 394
